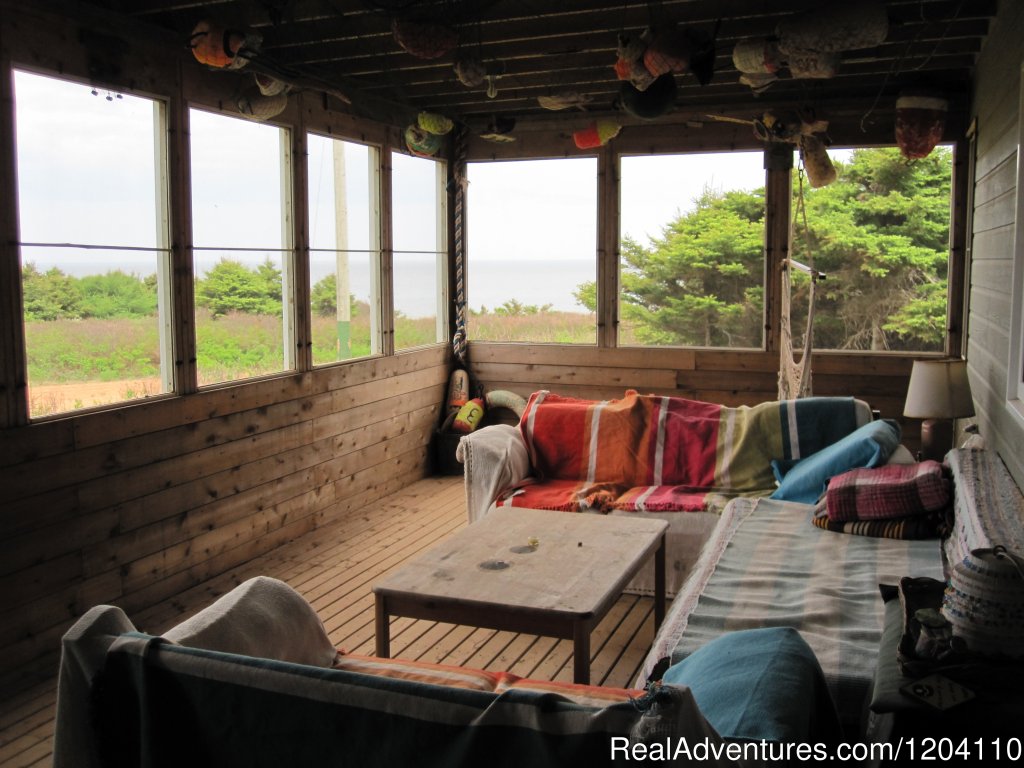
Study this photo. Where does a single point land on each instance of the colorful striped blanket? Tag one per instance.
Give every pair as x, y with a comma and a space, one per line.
660, 453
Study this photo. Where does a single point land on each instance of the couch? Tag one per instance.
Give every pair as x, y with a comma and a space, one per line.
667, 457
253, 680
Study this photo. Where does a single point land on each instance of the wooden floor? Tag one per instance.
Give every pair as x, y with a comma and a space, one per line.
335, 568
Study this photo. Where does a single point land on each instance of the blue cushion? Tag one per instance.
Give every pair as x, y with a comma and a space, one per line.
760, 684
805, 479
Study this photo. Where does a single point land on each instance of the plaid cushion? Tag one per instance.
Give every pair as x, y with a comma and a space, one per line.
884, 493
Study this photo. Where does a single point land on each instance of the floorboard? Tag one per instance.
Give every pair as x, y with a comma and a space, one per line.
335, 568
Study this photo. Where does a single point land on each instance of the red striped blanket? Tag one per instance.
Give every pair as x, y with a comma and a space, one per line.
652, 452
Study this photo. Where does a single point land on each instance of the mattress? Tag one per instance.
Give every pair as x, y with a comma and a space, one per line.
767, 565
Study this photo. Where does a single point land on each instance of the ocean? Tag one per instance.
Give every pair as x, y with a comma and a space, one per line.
492, 282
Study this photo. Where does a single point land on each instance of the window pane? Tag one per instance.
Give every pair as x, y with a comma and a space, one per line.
692, 252
240, 234
344, 255
419, 251
880, 233
532, 248
89, 163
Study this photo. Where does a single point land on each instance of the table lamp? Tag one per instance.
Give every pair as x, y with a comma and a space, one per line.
938, 393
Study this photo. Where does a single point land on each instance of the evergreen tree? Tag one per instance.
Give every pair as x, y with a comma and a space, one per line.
117, 294
50, 295
230, 286
881, 233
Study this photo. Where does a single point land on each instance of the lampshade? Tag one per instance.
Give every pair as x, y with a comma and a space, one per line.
939, 389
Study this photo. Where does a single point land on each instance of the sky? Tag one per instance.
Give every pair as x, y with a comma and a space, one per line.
70, 179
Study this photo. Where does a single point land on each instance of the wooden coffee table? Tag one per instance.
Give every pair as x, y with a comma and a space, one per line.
526, 570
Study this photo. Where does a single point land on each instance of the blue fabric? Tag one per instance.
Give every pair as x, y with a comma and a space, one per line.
760, 684
805, 480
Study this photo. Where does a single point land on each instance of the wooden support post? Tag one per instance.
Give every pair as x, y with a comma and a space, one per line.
300, 315
13, 372
183, 307
387, 255
961, 215
778, 163
607, 248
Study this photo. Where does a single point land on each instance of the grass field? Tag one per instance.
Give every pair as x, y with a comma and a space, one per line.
74, 364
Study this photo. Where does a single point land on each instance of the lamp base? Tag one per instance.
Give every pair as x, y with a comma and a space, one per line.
936, 438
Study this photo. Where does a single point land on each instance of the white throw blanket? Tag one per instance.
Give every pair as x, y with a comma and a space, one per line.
494, 459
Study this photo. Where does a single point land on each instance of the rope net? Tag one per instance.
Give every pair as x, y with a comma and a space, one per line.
795, 377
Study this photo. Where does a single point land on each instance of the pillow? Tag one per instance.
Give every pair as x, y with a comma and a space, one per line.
760, 684
895, 490
261, 617
901, 455
867, 446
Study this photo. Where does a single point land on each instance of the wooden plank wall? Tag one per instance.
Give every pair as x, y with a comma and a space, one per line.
721, 376
133, 506
996, 107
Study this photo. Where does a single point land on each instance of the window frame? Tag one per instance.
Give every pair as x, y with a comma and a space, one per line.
765, 271
596, 253
375, 246
162, 250
1015, 364
289, 309
442, 296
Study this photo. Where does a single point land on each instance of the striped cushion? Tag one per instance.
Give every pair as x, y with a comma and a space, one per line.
584, 695
422, 672
482, 680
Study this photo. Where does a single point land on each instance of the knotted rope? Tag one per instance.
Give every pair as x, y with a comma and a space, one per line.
459, 341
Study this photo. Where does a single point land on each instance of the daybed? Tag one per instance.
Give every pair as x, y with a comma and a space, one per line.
667, 457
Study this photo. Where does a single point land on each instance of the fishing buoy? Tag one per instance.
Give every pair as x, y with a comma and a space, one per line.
502, 398
920, 121
458, 389
422, 143
817, 163
597, 135
220, 47
469, 416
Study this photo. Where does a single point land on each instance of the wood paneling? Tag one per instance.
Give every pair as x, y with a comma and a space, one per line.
996, 104
149, 514
727, 376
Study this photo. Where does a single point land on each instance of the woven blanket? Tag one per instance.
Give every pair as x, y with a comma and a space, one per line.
930, 525
767, 566
893, 491
655, 453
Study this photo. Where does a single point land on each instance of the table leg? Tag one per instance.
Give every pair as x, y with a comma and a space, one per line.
659, 583
382, 628
581, 653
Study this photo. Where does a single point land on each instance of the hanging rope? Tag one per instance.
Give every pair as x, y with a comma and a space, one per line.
459, 344
794, 377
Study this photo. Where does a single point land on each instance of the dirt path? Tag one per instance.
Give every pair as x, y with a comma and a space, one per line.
45, 399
